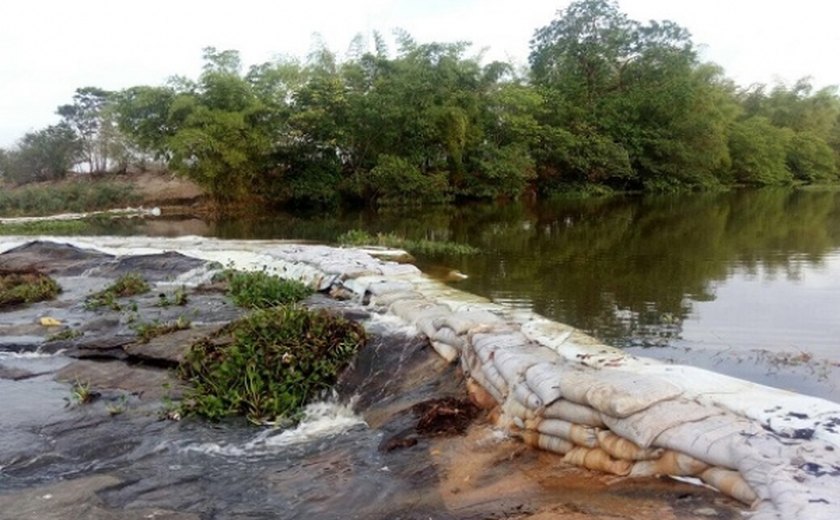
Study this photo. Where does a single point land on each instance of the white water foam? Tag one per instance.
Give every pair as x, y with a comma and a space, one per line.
321, 419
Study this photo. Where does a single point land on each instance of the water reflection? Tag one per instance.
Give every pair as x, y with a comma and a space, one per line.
748, 269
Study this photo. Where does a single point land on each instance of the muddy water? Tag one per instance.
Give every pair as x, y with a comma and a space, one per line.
746, 283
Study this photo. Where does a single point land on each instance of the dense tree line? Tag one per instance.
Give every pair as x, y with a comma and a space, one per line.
608, 103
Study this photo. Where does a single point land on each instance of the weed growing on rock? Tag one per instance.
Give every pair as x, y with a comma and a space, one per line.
81, 393
268, 365
129, 284
65, 335
357, 237
260, 290
178, 298
147, 331
22, 287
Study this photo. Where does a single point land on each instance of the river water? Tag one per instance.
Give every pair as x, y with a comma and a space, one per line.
746, 282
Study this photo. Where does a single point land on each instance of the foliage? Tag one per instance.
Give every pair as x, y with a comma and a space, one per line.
22, 287
278, 360
357, 237
759, 152
92, 117
395, 181
46, 154
129, 284
260, 290
72, 196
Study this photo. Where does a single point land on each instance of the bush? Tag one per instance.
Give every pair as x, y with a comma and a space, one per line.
278, 360
76, 196
395, 181
19, 287
260, 290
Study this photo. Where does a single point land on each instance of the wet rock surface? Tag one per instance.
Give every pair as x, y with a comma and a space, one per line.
116, 457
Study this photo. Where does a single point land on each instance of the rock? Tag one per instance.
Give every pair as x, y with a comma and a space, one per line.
146, 383
169, 349
52, 258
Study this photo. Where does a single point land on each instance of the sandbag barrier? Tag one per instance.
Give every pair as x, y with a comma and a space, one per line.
563, 391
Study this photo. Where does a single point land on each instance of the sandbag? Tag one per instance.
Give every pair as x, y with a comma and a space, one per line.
514, 408
573, 412
580, 435
525, 396
513, 364
621, 394
669, 463
448, 336
385, 300
546, 442
716, 440
643, 427
598, 460
462, 322
544, 380
445, 350
730, 483
621, 448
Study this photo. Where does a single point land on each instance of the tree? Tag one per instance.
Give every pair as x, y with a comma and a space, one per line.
92, 117
46, 154
759, 152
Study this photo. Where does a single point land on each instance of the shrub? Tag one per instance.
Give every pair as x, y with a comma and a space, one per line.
278, 360
21, 287
261, 290
395, 181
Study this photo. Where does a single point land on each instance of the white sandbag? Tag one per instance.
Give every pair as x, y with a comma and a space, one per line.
448, 336
514, 408
621, 448
462, 322
445, 350
513, 364
621, 394
669, 463
581, 435
716, 440
395, 269
385, 300
544, 379
389, 286
526, 396
598, 460
494, 340
546, 442
730, 483
408, 310
488, 370
643, 427
573, 412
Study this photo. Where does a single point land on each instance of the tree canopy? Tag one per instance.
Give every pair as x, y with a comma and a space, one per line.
609, 102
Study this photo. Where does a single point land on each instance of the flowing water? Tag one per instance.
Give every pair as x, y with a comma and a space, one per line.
746, 282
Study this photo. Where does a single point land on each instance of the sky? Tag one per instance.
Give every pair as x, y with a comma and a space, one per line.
48, 48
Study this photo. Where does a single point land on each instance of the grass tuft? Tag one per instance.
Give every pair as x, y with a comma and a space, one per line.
129, 284
22, 287
260, 290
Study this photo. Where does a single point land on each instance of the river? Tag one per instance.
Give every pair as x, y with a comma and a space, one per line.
744, 282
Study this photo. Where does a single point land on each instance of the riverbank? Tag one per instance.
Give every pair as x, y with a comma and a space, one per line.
361, 460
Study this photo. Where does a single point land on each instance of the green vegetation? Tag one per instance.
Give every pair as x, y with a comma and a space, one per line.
81, 393
178, 298
126, 285
22, 287
608, 102
44, 227
260, 290
357, 237
278, 360
147, 331
65, 335
72, 196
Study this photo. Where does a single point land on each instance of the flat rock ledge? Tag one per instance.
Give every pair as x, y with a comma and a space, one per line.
563, 391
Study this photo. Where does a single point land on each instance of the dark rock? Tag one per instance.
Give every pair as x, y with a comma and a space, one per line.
170, 349
52, 258
152, 268
146, 383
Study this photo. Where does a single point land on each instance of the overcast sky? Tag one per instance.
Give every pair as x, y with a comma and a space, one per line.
49, 48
